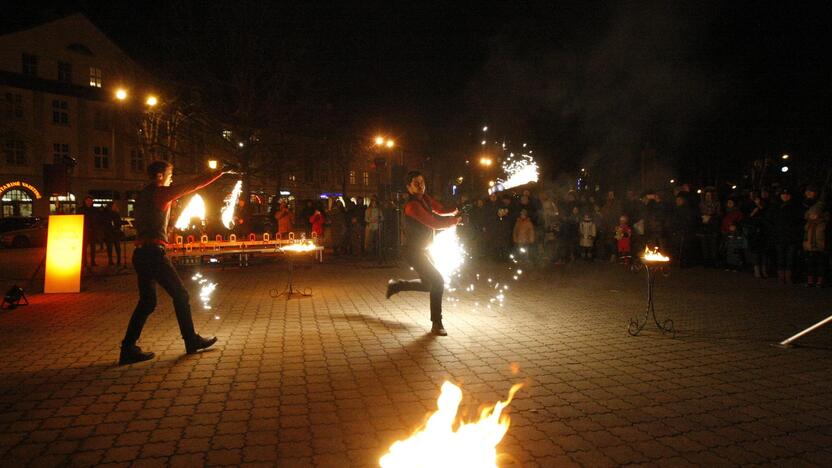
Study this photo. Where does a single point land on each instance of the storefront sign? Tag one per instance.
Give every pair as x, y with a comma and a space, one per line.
21, 184
64, 246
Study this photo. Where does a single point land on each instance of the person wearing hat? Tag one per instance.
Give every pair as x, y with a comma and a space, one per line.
787, 233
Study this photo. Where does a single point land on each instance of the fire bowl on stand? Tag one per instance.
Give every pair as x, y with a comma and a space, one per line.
654, 263
291, 250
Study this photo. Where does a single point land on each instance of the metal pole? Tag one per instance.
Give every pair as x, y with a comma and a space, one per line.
814, 327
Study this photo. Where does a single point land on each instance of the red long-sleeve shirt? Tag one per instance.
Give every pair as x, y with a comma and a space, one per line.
423, 215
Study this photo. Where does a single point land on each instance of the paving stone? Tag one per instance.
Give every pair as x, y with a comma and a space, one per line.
335, 378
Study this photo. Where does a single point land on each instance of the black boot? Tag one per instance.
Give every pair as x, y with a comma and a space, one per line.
392, 288
133, 354
438, 329
197, 342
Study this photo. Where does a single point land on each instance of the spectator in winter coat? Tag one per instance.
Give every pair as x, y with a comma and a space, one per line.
523, 233
683, 222
623, 234
317, 223
732, 217
284, 217
755, 230
787, 224
814, 245
710, 214
588, 231
372, 220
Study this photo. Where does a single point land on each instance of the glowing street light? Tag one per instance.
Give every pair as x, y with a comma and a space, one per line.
390, 143
485, 128
212, 164
672, 181
486, 161
784, 157
152, 100
379, 140
784, 169
121, 94
241, 144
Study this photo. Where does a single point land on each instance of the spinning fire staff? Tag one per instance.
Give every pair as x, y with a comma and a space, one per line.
654, 262
423, 215
153, 266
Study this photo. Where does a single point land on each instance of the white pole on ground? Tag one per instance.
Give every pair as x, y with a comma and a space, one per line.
814, 327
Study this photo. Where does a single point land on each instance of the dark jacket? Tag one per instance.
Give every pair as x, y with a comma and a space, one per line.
787, 223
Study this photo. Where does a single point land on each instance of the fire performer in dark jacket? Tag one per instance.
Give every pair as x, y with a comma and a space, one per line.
152, 211
423, 215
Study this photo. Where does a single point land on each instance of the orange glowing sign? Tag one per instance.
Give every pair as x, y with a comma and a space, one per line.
20, 183
64, 246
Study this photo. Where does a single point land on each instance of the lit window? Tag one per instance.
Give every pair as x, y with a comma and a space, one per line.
95, 77
101, 157
366, 178
60, 112
226, 134
352, 177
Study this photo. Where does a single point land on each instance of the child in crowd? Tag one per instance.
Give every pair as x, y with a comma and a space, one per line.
814, 246
523, 235
623, 234
735, 247
588, 231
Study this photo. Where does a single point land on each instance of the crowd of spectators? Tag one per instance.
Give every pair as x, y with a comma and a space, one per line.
778, 233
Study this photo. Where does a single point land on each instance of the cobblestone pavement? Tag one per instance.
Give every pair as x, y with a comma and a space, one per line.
335, 378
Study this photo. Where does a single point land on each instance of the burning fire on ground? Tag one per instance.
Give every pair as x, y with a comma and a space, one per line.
653, 255
446, 442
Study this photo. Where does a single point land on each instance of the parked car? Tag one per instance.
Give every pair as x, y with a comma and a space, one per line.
14, 223
28, 237
128, 228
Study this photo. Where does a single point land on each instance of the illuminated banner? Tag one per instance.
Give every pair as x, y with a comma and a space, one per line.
64, 247
20, 183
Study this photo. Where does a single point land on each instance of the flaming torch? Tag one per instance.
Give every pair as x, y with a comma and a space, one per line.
231, 204
194, 209
447, 253
438, 444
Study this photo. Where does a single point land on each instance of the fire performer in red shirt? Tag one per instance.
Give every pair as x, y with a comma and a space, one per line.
423, 215
152, 211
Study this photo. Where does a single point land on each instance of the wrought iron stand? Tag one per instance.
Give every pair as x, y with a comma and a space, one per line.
290, 289
638, 323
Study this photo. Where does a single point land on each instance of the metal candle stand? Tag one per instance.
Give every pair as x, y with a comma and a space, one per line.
637, 325
290, 289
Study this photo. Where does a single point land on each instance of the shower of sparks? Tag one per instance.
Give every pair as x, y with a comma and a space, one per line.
519, 172
206, 289
447, 253
231, 204
194, 209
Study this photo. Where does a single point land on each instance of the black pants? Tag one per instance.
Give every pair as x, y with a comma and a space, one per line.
153, 266
88, 250
114, 244
430, 280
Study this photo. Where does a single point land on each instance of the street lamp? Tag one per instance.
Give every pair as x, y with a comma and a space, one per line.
152, 100
486, 161
121, 94
212, 164
784, 157
390, 143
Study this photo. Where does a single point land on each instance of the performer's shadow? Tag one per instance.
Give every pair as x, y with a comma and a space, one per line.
376, 322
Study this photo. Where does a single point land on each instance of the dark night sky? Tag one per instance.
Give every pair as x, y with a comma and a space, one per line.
583, 81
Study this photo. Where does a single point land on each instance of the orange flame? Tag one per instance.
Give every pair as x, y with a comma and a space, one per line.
437, 444
301, 247
654, 255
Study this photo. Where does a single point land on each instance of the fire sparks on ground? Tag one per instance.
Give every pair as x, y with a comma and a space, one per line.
206, 289
437, 444
447, 253
299, 247
194, 209
653, 255
231, 204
